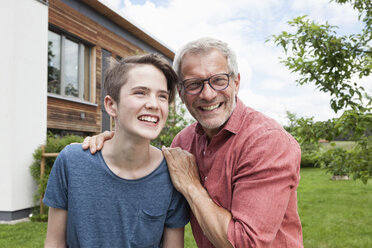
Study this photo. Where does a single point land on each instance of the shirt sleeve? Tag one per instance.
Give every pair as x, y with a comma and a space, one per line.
175, 142
56, 191
264, 181
178, 212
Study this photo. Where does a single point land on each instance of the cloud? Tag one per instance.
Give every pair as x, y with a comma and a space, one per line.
323, 10
266, 84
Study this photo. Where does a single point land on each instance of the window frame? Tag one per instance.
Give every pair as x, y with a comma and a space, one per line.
82, 46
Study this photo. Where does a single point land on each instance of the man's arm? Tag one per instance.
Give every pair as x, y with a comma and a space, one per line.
56, 233
213, 219
264, 183
173, 237
95, 143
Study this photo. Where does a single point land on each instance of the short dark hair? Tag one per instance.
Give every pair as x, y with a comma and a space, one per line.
117, 74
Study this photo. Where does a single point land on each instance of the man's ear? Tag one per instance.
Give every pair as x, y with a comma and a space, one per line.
111, 106
179, 89
237, 84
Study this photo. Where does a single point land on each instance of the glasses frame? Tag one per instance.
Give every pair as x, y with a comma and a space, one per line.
208, 80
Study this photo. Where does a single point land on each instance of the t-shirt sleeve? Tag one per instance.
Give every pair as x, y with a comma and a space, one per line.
56, 191
178, 212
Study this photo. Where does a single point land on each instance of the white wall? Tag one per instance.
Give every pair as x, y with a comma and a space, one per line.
23, 97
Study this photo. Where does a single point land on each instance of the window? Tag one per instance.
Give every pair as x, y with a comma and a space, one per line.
68, 67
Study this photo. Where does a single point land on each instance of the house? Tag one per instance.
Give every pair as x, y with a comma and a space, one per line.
51, 78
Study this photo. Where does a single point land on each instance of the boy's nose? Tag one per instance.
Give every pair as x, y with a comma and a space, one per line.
152, 103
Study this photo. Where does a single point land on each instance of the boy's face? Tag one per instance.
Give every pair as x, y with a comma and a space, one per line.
143, 107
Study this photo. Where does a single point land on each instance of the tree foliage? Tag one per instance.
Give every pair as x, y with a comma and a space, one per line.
175, 123
334, 64
356, 126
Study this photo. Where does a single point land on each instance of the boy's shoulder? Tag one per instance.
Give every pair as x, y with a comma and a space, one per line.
74, 147
74, 150
73, 156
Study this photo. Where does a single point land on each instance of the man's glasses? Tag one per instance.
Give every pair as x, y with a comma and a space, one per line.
217, 82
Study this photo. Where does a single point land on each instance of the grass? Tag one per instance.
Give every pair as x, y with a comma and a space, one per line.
333, 214
32, 234
189, 238
23, 235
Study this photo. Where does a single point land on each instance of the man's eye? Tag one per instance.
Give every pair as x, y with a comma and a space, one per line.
219, 81
139, 93
193, 85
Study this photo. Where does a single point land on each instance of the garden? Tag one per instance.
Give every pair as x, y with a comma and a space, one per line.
333, 214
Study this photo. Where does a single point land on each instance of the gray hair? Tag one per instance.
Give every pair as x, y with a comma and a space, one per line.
204, 45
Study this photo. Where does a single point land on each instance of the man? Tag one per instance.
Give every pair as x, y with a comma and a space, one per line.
238, 169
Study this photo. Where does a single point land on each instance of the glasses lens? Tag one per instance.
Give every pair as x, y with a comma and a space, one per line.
219, 81
193, 86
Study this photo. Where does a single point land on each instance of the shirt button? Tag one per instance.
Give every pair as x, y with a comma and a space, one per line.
205, 179
203, 152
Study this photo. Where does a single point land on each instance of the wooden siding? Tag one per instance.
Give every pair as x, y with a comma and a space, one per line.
65, 114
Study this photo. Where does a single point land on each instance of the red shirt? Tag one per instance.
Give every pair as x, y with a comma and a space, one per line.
251, 168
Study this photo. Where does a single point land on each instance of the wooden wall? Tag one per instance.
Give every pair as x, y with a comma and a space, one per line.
65, 114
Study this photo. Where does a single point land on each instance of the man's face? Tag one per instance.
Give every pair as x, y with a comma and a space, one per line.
210, 108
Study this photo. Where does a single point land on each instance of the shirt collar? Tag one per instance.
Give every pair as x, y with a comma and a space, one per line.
233, 123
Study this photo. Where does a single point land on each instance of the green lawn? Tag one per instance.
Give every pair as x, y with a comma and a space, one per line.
333, 214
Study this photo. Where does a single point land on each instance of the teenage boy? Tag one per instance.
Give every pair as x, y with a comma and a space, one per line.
122, 196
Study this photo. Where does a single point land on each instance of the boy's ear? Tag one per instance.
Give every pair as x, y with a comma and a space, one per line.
111, 106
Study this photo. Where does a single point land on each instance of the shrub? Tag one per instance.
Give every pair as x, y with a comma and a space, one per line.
355, 162
175, 123
53, 145
334, 161
309, 154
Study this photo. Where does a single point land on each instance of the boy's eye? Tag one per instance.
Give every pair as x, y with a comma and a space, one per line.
164, 96
139, 92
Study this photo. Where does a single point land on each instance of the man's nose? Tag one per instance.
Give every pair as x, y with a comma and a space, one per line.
207, 92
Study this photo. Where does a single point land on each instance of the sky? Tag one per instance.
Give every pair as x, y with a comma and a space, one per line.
266, 84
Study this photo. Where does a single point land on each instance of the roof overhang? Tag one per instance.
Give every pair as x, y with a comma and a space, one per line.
118, 19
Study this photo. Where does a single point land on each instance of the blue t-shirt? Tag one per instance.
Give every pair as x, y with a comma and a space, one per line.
104, 210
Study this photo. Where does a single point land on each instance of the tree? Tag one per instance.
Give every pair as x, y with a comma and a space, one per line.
334, 64
329, 61
175, 123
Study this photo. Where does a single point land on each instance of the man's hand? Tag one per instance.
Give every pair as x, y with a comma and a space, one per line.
213, 219
95, 143
182, 168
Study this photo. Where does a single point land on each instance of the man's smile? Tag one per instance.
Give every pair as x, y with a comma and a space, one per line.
211, 107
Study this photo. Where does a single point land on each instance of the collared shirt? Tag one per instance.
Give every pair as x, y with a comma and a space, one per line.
251, 168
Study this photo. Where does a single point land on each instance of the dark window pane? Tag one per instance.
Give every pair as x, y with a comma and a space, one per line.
54, 63
71, 68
